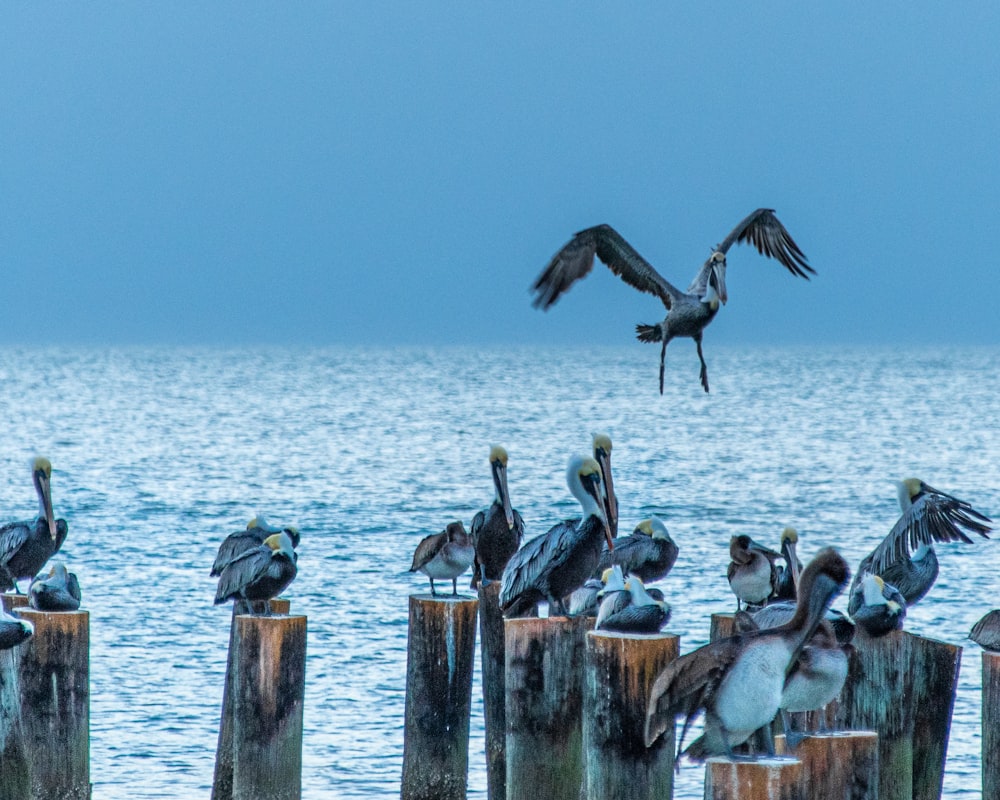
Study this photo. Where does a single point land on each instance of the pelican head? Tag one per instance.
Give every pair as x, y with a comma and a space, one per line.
602, 454
789, 535
742, 548
583, 476
281, 543
41, 470
653, 527
613, 580
716, 280
908, 490
498, 466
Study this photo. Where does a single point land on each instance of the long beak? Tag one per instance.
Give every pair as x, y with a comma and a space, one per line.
720, 279
594, 490
609, 501
794, 565
767, 551
500, 480
45, 490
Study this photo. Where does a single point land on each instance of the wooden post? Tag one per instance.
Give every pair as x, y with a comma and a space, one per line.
222, 782
268, 696
15, 781
54, 677
903, 687
620, 671
491, 639
766, 779
836, 766
11, 601
721, 626
991, 725
544, 675
439, 660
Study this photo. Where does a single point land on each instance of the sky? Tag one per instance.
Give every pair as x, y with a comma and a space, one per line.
399, 173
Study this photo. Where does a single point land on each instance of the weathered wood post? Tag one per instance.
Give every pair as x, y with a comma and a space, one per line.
491, 638
776, 778
268, 695
721, 626
11, 601
54, 678
439, 660
544, 675
15, 782
222, 782
903, 687
620, 671
991, 725
836, 766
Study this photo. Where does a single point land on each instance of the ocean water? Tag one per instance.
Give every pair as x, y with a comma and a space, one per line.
159, 453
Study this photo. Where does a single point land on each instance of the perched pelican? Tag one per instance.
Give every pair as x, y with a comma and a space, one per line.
986, 632
788, 575
613, 597
739, 680
641, 614
253, 536
552, 565
13, 630
26, 546
496, 531
751, 573
878, 607
586, 601
257, 575
688, 313
602, 455
444, 555
58, 591
648, 552
906, 558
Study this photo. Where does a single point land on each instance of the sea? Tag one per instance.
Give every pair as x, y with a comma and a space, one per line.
160, 452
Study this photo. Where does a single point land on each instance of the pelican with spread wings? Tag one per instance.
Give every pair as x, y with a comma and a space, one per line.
688, 313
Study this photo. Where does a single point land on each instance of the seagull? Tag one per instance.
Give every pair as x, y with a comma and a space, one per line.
688, 313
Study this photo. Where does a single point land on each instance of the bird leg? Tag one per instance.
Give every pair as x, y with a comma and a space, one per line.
433, 593
704, 366
454, 587
792, 738
663, 355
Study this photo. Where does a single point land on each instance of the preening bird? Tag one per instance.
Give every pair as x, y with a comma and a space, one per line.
57, 591
498, 530
256, 531
788, 575
26, 546
688, 313
257, 575
641, 613
648, 552
876, 606
444, 556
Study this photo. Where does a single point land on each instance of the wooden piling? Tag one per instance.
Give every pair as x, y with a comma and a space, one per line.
268, 696
491, 638
439, 660
991, 725
15, 781
766, 779
903, 687
11, 601
836, 766
54, 678
619, 672
222, 782
721, 626
544, 675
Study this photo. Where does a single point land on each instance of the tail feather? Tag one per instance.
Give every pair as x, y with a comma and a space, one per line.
648, 333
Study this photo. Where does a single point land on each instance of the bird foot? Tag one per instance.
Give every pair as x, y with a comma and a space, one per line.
794, 739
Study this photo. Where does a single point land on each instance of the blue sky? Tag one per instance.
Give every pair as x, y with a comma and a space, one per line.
400, 173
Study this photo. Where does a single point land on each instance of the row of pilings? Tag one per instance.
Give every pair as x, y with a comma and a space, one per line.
565, 707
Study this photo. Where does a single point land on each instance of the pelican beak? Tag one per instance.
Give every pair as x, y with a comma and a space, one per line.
609, 500
593, 488
719, 270
500, 479
767, 551
46, 487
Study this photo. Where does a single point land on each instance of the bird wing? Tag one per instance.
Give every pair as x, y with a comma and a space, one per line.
576, 259
477, 525
933, 517
233, 545
242, 571
12, 536
428, 548
539, 555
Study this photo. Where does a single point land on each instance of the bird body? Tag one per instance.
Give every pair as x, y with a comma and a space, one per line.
256, 531
878, 607
259, 574
648, 552
13, 630
497, 531
788, 575
640, 613
751, 573
986, 632
688, 313
444, 556
58, 591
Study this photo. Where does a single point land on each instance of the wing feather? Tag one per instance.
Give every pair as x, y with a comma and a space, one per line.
12, 536
763, 230
541, 554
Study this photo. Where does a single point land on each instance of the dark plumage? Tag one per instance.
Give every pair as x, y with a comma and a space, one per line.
876, 606
13, 630
57, 591
257, 575
256, 531
648, 552
986, 632
498, 530
751, 573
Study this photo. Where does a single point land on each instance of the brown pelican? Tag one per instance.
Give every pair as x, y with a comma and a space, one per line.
739, 681
688, 313
751, 573
497, 531
257, 575
552, 565
253, 536
612, 597
906, 558
26, 546
602, 455
640, 614
13, 630
788, 575
586, 601
986, 632
58, 591
878, 607
648, 552
444, 555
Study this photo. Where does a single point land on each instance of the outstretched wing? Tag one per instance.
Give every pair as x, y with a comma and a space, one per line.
763, 230
576, 259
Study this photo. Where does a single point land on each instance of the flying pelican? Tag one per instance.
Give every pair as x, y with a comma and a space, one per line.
688, 313
253, 536
640, 614
13, 630
552, 565
26, 546
444, 555
648, 552
751, 573
498, 530
986, 632
257, 575
906, 558
788, 575
739, 680
58, 591
878, 607
602, 455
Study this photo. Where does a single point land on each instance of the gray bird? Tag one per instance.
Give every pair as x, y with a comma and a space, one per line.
444, 556
13, 630
57, 591
256, 531
257, 575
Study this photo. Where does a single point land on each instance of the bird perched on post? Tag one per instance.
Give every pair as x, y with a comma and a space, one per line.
752, 575
444, 555
256, 531
26, 546
257, 575
688, 313
57, 591
876, 606
498, 530
648, 552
